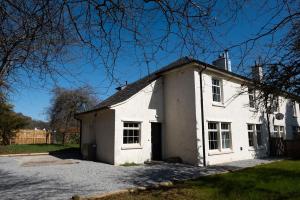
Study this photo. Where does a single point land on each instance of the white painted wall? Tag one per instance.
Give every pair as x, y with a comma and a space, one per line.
235, 110
180, 115
98, 128
146, 106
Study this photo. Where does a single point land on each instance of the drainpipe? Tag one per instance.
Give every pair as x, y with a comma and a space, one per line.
80, 133
202, 117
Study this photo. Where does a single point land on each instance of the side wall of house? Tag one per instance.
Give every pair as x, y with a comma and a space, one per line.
180, 115
234, 110
98, 128
144, 107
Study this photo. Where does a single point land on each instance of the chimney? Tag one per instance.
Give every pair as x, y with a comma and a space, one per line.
257, 72
223, 62
121, 87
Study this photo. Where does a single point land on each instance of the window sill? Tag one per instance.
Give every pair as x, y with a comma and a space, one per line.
218, 104
212, 153
131, 146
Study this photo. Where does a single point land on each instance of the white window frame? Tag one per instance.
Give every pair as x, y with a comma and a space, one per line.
255, 131
220, 86
220, 140
134, 129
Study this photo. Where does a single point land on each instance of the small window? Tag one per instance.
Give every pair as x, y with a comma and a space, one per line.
216, 90
131, 132
213, 136
251, 97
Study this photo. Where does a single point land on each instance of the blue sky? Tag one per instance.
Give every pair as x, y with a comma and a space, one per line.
32, 99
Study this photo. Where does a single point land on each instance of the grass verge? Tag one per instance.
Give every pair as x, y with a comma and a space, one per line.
36, 148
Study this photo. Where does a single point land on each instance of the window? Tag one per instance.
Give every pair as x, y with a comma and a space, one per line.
216, 90
131, 132
278, 131
251, 97
219, 133
254, 135
213, 136
251, 135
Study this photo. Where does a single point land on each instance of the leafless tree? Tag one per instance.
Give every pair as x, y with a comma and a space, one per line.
63, 106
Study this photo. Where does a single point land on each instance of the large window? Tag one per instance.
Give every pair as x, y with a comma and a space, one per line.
254, 135
219, 135
131, 132
217, 90
251, 97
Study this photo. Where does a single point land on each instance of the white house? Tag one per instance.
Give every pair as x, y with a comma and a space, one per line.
188, 109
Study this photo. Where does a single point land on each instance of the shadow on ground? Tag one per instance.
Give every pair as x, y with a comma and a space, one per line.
70, 153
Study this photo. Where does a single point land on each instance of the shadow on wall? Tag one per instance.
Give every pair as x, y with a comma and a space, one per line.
156, 101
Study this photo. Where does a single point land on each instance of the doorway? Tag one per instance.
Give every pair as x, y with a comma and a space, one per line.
156, 141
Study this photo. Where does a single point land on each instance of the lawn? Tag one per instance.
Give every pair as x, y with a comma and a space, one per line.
36, 148
279, 180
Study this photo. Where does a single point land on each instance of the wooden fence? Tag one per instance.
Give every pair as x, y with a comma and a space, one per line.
25, 136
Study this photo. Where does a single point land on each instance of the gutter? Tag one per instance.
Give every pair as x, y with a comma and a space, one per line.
202, 117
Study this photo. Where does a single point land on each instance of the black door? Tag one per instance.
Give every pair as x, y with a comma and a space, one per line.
156, 141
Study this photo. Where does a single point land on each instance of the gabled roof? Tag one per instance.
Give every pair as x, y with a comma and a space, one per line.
135, 87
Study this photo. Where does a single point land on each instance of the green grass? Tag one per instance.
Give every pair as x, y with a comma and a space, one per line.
279, 180
36, 148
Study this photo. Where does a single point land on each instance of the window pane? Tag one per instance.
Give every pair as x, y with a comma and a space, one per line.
213, 140
125, 132
250, 127
259, 139
225, 126
212, 125
250, 136
226, 143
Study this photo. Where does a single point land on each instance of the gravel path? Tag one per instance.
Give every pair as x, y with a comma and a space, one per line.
48, 177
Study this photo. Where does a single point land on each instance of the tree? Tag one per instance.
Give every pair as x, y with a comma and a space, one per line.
10, 122
65, 103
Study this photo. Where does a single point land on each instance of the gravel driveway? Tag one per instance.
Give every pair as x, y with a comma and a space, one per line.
49, 177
